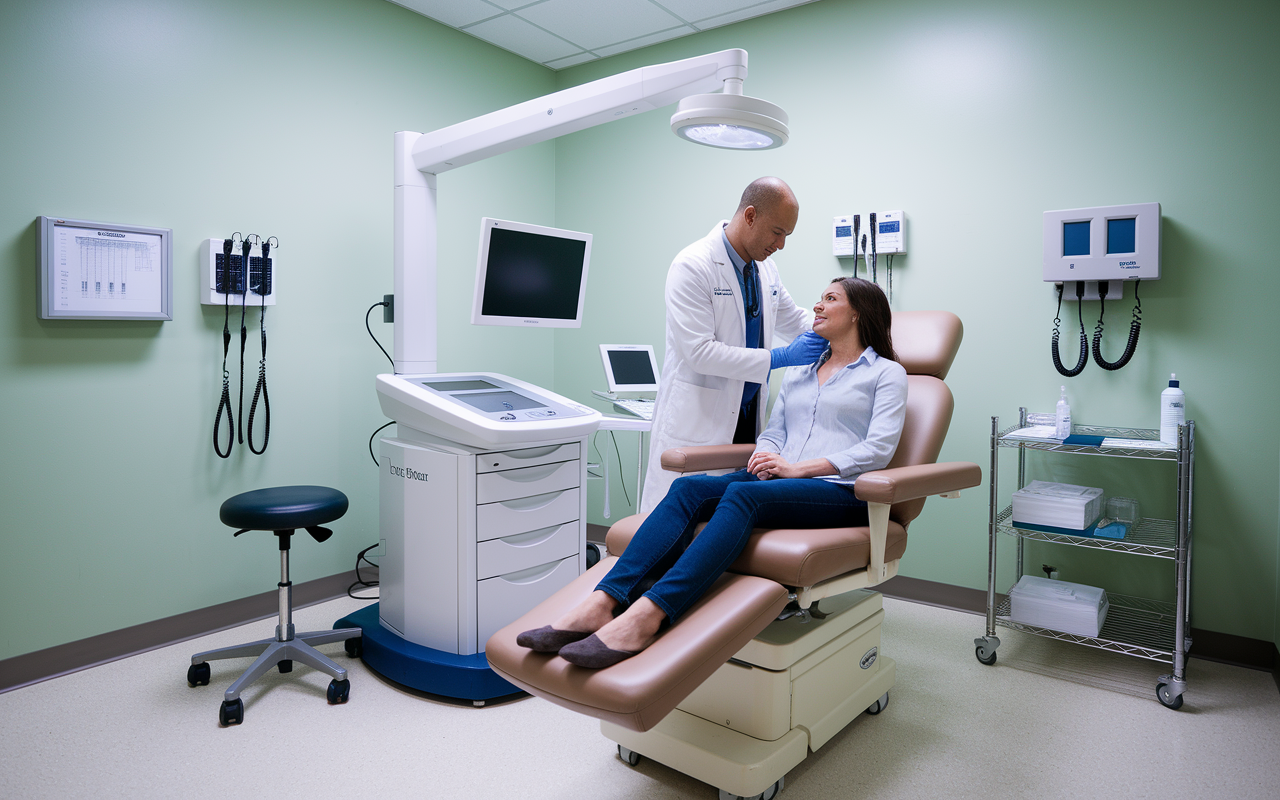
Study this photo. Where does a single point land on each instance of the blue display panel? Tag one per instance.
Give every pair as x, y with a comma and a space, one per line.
1075, 238
893, 226
844, 230
1122, 235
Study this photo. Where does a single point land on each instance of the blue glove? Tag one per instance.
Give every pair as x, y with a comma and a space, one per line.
804, 349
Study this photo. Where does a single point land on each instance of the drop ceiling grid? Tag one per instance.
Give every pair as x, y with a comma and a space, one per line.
561, 33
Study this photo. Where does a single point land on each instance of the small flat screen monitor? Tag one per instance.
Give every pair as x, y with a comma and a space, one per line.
630, 367
530, 275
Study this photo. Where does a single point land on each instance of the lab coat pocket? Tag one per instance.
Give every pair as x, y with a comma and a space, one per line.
689, 412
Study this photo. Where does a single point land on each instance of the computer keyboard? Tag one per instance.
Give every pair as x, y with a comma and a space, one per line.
639, 408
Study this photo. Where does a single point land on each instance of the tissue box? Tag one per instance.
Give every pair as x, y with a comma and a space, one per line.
1058, 605
1057, 505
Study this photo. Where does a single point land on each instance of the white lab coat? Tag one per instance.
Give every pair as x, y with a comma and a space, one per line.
707, 360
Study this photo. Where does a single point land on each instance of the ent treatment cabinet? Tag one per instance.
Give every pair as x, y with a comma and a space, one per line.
1135, 626
475, 538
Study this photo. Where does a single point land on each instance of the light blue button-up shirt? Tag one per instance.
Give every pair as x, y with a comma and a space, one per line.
854, 420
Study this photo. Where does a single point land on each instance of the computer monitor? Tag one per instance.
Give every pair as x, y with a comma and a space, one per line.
630, 367
530, 275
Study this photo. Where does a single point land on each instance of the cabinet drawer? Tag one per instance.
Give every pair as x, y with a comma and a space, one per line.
494, 487
524, 550
527, 457
503, 599
507, 518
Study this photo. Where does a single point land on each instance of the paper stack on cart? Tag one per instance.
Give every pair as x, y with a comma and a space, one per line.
1057, 505
1058, 605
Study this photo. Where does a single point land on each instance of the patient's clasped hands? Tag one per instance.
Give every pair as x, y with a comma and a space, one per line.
771, 465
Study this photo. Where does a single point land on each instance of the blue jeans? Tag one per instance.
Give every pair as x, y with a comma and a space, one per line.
667, 564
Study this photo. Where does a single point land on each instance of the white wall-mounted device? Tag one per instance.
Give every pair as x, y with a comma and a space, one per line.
210, 294
1106, 243
842, 244
891, 233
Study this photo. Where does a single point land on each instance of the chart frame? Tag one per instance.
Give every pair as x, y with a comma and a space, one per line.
47, 264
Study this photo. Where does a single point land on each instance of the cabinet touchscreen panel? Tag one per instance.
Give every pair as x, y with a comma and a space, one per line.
498, 401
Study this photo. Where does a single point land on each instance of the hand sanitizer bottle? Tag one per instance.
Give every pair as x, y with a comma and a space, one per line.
1062, 417
1173, 411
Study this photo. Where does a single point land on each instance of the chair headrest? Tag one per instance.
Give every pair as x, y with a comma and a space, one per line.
926, 341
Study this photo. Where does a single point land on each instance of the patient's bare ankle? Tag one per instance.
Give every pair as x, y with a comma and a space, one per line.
589, 615
634, 629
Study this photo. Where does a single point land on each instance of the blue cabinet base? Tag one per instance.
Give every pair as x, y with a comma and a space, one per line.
422, 668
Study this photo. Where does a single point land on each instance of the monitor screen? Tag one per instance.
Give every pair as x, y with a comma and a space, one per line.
530, 275
630, 367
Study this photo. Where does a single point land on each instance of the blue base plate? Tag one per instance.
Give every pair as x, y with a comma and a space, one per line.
422, 668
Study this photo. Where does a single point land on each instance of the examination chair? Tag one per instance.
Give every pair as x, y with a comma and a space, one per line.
755, 675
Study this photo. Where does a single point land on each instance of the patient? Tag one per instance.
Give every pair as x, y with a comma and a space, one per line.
833, 421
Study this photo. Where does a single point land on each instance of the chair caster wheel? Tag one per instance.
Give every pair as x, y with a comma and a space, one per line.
198, 674
285, 665
231, 713
354, 646
339, 692
629, 756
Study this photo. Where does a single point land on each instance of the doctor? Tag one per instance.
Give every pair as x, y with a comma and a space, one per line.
725, 304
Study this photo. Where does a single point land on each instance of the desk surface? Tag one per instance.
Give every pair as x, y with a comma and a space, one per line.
615, 422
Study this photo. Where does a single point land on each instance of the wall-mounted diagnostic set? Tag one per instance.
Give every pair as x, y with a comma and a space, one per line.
1090, 253
884, 233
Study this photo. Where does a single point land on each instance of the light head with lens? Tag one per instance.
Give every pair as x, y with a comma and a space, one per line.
730, 121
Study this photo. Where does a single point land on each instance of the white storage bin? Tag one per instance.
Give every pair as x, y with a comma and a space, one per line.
1058, 605
1058, 505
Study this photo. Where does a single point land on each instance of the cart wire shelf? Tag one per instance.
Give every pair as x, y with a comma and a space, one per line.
1167, 451
1149, 537
1134, 626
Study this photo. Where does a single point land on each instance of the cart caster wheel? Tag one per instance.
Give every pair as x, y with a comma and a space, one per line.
354, 647
1163, 695
879, 705
285, 665
985, 656
767, 794
593, 554
339, 692
629, 756
198, 674
231, 713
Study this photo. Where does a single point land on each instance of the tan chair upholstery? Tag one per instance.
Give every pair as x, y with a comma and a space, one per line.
776, 566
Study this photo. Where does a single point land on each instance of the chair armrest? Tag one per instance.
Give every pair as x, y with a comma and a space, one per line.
707, 457
898, 484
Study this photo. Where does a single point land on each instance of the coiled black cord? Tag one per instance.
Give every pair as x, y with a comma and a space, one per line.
261, 388
1135, 328
245, 247
225, 402
1084, 337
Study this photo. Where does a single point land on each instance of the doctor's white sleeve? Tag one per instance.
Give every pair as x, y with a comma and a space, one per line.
691, 319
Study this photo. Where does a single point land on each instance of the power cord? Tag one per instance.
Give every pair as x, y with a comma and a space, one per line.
360, 581
383, 303
1084, 337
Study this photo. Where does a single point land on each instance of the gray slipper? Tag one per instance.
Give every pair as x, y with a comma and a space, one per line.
547, 639
592, 653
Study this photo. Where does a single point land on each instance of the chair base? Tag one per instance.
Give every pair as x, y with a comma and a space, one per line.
462, 677
803, 683
271, 652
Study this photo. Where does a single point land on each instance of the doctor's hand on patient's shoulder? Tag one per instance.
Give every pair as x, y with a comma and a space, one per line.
804, 349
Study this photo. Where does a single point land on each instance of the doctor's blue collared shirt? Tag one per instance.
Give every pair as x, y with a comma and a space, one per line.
854, 420
753, 329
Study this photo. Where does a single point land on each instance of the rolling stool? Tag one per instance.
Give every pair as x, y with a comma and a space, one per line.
282, 509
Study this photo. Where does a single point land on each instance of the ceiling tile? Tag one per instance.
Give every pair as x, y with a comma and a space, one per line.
580, 58
747, 12
644, 41
514, 34
596, 23
455, 13
511, 5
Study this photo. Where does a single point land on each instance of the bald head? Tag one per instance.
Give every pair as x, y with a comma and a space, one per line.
765, 195
766, 216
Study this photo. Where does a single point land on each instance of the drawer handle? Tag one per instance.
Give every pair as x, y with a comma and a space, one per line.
533, 452
530, 474
531, 575
533, 503
532, 537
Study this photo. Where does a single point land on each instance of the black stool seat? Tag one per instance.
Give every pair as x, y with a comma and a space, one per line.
283, 508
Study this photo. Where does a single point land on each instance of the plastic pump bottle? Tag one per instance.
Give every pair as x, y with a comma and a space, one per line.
1062, 416
1173, 411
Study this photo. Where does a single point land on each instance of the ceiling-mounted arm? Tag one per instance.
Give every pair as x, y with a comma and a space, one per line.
578, 108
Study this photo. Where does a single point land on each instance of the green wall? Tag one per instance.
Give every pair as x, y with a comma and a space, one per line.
975, 118
211, 117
